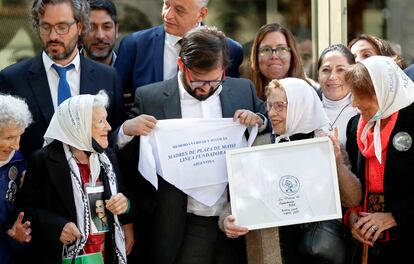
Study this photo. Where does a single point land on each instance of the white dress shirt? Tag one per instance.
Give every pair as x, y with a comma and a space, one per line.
114, 56
171, 51
193, 108
72, 76
209, 108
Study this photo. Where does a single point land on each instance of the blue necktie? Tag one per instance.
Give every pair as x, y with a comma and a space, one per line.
63, 87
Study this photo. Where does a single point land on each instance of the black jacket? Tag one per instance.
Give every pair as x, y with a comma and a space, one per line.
47, 199
398, 178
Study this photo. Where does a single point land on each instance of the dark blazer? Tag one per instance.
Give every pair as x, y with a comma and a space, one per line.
398, 178
47, 199
27, 79
162, 213
140, 58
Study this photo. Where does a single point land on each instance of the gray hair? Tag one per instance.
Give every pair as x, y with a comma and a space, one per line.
101, 99
201, 3
14, 111
80, 10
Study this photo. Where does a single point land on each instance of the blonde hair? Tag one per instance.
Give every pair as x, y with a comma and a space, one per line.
272, 86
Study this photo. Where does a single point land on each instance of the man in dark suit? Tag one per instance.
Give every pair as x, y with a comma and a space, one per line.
173, 227
38, 80
149, 55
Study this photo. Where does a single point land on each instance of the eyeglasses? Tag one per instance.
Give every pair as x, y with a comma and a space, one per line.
281, 52
60, 28
200, 83
278, 106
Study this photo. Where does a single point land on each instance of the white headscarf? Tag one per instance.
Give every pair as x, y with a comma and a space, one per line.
305, 112
71, 124
394, 91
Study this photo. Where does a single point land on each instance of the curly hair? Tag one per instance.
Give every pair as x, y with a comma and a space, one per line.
80, 10
273, 85
14, 111
101, 99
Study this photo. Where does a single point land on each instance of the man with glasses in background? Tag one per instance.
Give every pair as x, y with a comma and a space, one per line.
173, 227
59, 71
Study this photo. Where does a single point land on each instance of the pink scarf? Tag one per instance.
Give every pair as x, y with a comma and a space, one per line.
374, 171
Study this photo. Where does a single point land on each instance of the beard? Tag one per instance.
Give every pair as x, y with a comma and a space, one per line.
193, 92
99, 54
55, 55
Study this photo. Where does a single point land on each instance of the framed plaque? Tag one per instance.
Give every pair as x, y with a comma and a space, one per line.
284, 184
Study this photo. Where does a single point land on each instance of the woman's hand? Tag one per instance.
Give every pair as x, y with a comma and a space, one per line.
247, 118
349, 185
336, 145
353, 218
118, 204
129, 237
70, 233
231, 229
370, 226
20, 231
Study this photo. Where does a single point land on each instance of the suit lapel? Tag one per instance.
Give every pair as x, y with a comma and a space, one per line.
59, 172
158, 53
40, 87
87, 77
172, 106
227, 106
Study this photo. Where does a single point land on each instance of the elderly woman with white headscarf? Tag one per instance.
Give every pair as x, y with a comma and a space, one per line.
381, 153
295, 110
67, 176
296, 113
14, 118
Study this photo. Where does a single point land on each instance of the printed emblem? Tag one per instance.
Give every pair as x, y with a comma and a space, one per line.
13, 173
289, 185
402, 141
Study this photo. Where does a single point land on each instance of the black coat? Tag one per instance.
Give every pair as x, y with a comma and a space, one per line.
398, 178
47, 199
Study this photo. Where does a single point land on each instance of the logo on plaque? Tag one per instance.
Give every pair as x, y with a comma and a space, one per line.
289, 185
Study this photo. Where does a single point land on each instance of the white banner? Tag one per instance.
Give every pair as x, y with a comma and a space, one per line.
191, 154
